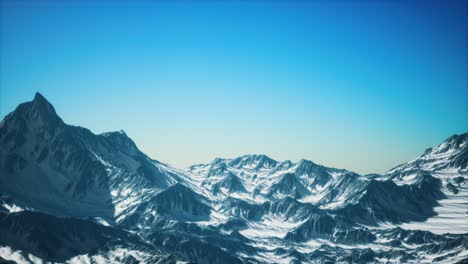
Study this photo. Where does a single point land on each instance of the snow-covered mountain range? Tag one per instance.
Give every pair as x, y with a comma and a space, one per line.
70, 196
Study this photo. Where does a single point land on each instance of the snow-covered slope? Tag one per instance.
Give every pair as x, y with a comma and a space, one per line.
448, 162
348, 210
67, 170
258, 178
68, 195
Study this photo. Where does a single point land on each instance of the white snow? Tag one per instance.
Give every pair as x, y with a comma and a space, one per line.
17, 256
13, 208
114, 256
452, 216
270, 226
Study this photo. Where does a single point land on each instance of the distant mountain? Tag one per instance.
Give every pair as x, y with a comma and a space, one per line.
257, 162
70, 196
450, 156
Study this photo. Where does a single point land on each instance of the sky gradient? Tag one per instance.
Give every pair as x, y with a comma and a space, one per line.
362, 86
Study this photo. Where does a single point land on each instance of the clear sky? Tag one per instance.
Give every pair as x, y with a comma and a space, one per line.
363, 86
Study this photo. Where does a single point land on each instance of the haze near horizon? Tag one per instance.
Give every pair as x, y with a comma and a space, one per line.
357, 86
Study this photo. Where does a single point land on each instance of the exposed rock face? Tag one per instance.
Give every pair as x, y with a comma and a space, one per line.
68, 195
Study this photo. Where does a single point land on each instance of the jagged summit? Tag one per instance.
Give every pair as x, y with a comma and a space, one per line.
39, 110
253, 161
457, 137
38, 97
247, 209
77, 172
258, 157
454, 142
117, 135
451, 153
40, 102
304, 165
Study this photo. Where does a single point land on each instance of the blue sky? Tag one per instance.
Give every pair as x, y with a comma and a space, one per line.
363, 86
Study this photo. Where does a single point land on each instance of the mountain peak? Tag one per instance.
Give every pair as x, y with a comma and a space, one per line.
451, 153
306, 163
458, 139
120, 138
257, 157
118, 133
40, 103
39, 111
39, 97
453, 143
257, 161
